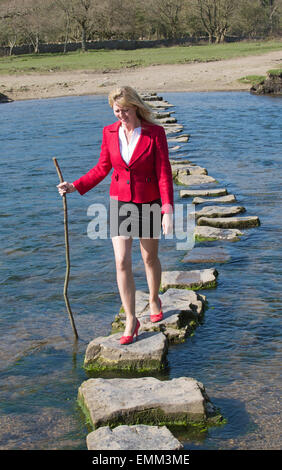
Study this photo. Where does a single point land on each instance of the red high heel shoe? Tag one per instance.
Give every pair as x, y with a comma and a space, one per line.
129, 339
158, 316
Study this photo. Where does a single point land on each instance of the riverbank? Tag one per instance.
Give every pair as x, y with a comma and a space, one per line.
219, 75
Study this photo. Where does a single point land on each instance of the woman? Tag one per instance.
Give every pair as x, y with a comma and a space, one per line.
136, 148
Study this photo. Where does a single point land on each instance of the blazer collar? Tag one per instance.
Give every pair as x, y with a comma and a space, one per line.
141, 146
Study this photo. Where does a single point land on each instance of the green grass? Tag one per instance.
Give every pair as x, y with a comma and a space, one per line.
106, 60
257, 79
252, 79
275, 72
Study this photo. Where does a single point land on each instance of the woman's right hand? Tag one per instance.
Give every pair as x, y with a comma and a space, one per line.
66, 187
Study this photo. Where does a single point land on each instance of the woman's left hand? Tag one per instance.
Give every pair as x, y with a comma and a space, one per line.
167, 224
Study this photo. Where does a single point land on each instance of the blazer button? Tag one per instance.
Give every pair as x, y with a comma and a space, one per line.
128, 182
127, 169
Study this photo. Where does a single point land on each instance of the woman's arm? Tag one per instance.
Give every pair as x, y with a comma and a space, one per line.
97, 173
164, 173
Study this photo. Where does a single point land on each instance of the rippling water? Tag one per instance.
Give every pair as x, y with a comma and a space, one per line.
236, 352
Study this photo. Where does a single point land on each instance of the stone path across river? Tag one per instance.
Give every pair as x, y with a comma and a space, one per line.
126, 412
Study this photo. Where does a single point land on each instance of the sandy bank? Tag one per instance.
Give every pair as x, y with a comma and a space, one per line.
205, 76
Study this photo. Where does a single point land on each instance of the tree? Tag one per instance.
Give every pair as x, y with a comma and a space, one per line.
167, 17
216, 17
83, 13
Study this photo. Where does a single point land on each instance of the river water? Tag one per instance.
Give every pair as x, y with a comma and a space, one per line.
235, 352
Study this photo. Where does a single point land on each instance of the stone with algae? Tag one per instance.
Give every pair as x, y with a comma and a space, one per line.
146, 400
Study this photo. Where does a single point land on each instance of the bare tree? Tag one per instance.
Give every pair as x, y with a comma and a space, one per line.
216, 17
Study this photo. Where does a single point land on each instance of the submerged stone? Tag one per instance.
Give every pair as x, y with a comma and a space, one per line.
218, 211
206, 255
230, 222
202, 192
145, 400
146, 353
205, 233
198, 279
138, 437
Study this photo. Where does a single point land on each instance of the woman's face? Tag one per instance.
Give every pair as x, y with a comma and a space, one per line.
127, 115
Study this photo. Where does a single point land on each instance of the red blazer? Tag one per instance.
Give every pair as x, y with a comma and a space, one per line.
148, 175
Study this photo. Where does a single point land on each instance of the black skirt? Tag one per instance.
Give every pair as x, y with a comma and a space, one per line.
136, 220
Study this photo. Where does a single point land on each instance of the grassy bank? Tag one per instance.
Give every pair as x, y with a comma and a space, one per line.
106, 60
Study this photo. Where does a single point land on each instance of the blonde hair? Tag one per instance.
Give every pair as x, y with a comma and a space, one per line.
127, 96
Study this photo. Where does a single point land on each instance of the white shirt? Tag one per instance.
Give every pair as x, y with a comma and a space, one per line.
127, 149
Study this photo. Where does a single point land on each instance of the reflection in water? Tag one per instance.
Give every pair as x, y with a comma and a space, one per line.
235, 350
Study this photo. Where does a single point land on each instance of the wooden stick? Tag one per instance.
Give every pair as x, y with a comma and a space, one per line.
67, 251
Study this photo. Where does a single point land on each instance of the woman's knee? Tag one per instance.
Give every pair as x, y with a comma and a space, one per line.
123, 263
150, 259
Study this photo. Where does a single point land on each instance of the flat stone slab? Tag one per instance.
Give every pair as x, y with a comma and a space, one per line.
161, 115
202, 192
168, 120
172, 128
139, 437
180, 138
182, 169
198, 279
180, 162
201, 200
230, 222
205, 233
174, 148
206, 255
145, 400
182, 311
160, 103
193, 180
148, 352
219, 211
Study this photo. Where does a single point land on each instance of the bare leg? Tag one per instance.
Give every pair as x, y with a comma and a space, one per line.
122, 249
149, 250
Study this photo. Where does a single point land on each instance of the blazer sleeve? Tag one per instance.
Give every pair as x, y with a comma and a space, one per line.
163, 171
98, 172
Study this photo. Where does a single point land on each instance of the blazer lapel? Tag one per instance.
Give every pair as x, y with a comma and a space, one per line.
141, 146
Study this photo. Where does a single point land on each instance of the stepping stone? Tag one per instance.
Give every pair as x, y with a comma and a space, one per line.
160, 103
201, 200
162, 115
183, 169
167, 120
193, 180
180, 162
205, 233
202, 192
182, 310
151, 97
139, 437
181, 138
199, 279
174, 149
206, 255
218, 211
172, 128
146, 353
146, 400
230, 222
